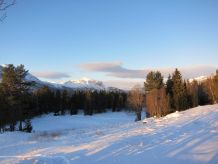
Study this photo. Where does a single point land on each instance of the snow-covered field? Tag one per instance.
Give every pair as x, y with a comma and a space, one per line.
113, 138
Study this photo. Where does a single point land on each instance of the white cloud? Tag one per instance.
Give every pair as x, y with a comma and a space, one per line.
115, 69
50, 75
124, 84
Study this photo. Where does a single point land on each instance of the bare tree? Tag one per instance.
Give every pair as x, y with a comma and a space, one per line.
212, 84
157, 103
136, 100
4, 5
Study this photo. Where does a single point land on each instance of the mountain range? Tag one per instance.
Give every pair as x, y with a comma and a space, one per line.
83, 84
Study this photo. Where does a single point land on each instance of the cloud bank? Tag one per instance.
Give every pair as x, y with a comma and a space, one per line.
115, 69
51, 75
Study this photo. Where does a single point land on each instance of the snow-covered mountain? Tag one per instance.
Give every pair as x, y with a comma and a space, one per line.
83, 84
199, 79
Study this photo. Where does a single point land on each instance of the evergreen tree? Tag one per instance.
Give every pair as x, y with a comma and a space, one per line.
65, 102
115, 102
169, 92
215, 79
179, 91
193, 91
4, 112
186, 98
16, 91
204, 94
45, 99
57, 102
154, 80
88, 107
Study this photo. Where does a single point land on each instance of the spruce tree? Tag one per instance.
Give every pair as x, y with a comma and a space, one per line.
88, 106
193, 89
215, 79
154, 80
179, 91
65, 101
4, 112
16, 90
73, 105
169, 92
57, 102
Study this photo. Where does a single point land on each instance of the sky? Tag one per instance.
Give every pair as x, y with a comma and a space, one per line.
115, 41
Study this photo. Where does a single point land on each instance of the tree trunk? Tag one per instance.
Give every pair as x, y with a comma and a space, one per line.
12, 127
20, 126
138, 116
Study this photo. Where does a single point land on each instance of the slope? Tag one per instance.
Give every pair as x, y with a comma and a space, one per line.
183, 137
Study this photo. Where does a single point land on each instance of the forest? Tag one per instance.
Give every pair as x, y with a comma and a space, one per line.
19, 102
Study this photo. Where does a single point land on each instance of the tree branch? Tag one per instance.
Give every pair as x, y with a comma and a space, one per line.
4, 6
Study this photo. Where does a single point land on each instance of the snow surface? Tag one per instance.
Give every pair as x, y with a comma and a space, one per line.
113, 138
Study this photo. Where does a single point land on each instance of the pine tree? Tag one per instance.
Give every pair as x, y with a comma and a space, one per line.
45, 99
16, 91
204, 94
169, 92
215, 79
186, 99
115, 102
88, 107
193, 92
65, 102
179, 91
4, 112
154, 80
57, 102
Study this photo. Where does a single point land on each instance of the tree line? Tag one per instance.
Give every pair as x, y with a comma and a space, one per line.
19, 102
176, 94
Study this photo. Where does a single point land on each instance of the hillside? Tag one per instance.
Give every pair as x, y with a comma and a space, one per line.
183, 137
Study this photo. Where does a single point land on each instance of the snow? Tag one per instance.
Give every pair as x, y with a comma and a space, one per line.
199, 79
172, 115
85, 83
182, 137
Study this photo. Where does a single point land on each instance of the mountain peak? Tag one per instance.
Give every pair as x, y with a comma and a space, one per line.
199, 79
85, 83
82, 84
84, 80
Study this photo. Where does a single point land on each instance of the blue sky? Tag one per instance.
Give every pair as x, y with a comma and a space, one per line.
51, 37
